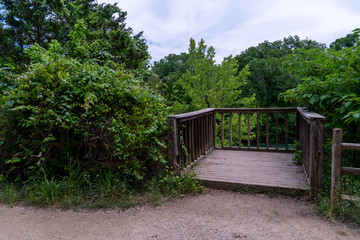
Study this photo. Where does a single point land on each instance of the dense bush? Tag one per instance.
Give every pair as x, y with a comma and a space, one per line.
64, 107
329, 85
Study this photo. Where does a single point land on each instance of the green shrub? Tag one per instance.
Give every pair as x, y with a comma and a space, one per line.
172, 185
65, 107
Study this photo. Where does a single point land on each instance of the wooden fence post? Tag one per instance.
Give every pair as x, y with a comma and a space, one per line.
173, 150
336, 165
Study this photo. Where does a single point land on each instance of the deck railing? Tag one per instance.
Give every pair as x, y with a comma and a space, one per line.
192, 135
337, 170
247, 113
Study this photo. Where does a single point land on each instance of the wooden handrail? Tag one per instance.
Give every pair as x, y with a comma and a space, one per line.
337, 170
192, 114
354, 146
255, 110
310, 115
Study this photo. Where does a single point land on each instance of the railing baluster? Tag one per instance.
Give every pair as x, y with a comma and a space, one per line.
192, 140
199, 137
267, 131
257, 131
206, 120
209, 131
277, 125
186, 140
230, 129
181, 136
203, 135
196, 137
248, 130
222, 130
239, 122
214, 129
286, 131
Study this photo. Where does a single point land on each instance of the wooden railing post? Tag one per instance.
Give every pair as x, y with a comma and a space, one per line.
336, 165
173, 151
316, 150
310, 128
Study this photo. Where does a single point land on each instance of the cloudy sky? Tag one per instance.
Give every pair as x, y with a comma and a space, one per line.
231, 26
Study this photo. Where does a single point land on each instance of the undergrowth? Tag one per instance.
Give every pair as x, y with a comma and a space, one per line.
345, 211
97, 187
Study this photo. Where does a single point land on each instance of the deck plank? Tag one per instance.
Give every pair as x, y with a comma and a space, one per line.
264, 171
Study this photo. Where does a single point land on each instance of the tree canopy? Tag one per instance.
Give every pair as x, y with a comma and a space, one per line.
25, 23
193, 80
267, 77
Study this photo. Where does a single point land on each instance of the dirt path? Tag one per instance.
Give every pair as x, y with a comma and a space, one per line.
213, 215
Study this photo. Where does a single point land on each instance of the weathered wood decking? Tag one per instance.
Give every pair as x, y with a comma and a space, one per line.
261, 171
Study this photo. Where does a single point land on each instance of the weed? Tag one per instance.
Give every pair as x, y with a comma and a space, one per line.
342, 233
323, 207
271, 194
78, 175
9, 194
297, 153
244, 189
126, 203
45, 191
345, 211
74, 201
172, 185
153, 190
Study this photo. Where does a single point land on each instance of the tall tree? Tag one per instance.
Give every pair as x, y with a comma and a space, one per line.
168, 71
345, 42
267, 77
207, 84
40, 21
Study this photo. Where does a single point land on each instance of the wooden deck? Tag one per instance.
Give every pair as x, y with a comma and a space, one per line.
257, 171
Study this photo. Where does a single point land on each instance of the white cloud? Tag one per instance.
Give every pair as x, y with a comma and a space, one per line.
231, 26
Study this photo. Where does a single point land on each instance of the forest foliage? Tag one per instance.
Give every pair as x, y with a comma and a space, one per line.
330, 83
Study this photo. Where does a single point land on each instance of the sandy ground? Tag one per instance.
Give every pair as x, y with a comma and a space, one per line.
212, 215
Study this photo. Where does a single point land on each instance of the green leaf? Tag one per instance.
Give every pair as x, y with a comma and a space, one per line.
356, 115
322, 98
347, 104
314, 99
9, 103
